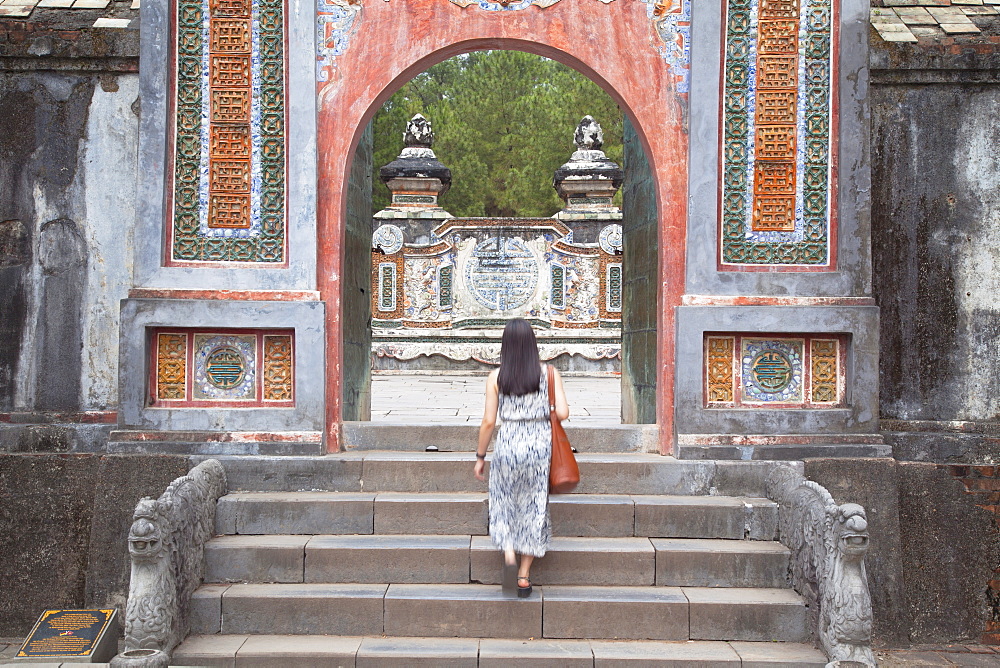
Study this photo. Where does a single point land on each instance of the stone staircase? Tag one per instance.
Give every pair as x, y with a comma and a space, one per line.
380, 558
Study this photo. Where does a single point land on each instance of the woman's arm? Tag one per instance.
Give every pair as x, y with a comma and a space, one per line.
489, 423
562, 407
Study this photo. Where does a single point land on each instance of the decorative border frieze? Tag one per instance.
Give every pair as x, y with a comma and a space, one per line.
672, 21
335, 22
488, 352
510, 5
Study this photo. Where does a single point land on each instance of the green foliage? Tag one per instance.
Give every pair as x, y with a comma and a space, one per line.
503, 123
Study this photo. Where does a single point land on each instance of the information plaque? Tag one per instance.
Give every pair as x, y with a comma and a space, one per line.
86, 636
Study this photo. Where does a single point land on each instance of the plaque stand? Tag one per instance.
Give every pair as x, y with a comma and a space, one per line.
78, 636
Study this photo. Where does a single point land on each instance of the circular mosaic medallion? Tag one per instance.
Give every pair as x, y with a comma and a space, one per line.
225, 367
389, 238
771, 371
611, 239
502, 273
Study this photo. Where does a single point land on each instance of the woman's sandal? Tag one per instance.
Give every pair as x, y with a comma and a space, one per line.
523, 592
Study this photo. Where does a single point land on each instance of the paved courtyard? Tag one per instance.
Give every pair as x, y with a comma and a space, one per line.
458, 398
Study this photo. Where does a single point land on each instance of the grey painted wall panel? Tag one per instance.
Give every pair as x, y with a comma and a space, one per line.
155, 141
861, 413
306, 318
853, 274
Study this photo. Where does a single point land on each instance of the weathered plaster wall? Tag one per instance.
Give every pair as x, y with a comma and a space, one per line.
949, 551
874, 483
63, 527
67, 190
933, 550
936, 233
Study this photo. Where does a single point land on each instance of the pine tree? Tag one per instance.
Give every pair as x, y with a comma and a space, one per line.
503, 122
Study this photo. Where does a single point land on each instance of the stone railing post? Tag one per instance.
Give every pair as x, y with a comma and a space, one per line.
828, 543
167, 543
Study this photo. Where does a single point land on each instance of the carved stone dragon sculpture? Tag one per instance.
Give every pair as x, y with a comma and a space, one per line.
166, 543
828, 543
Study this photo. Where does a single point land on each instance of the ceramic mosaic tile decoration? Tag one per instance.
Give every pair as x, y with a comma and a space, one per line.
774, 371
229, 157
233, 368
776, 111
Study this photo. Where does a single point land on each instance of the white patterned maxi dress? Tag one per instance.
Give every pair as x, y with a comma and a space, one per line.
519, 474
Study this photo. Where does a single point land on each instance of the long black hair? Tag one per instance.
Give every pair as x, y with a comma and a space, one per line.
519, 363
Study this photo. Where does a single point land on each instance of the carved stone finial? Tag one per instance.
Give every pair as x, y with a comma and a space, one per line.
589, 136
416, 177
589, 181
418, 132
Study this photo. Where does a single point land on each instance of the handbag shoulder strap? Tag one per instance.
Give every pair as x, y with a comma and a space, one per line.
552, 389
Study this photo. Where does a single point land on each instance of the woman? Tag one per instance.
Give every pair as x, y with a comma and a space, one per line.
519, 469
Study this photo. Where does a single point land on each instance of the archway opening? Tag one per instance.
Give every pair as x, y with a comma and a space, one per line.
504, 122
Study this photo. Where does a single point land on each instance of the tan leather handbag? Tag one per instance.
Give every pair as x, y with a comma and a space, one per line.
564, 474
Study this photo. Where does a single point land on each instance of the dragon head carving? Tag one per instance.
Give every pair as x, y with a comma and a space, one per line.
851, 525
145, 537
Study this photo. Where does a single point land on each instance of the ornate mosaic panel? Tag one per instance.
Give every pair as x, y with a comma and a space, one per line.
387, 289
825, 371
334, 21
446, 277
422, 290
672, 20
229, 157
237, 368
479, 272
773, 371
171, 366
613, 287
225, 367
719, 368
558, 293
278, 368
776, 113
387, 286
502, 273
582, 287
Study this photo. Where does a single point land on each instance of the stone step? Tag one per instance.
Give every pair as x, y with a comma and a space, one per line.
415, 437
378, 471
403, 559
478, 611
216, 443
699, 562
467, 514
308, 651
643, 561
